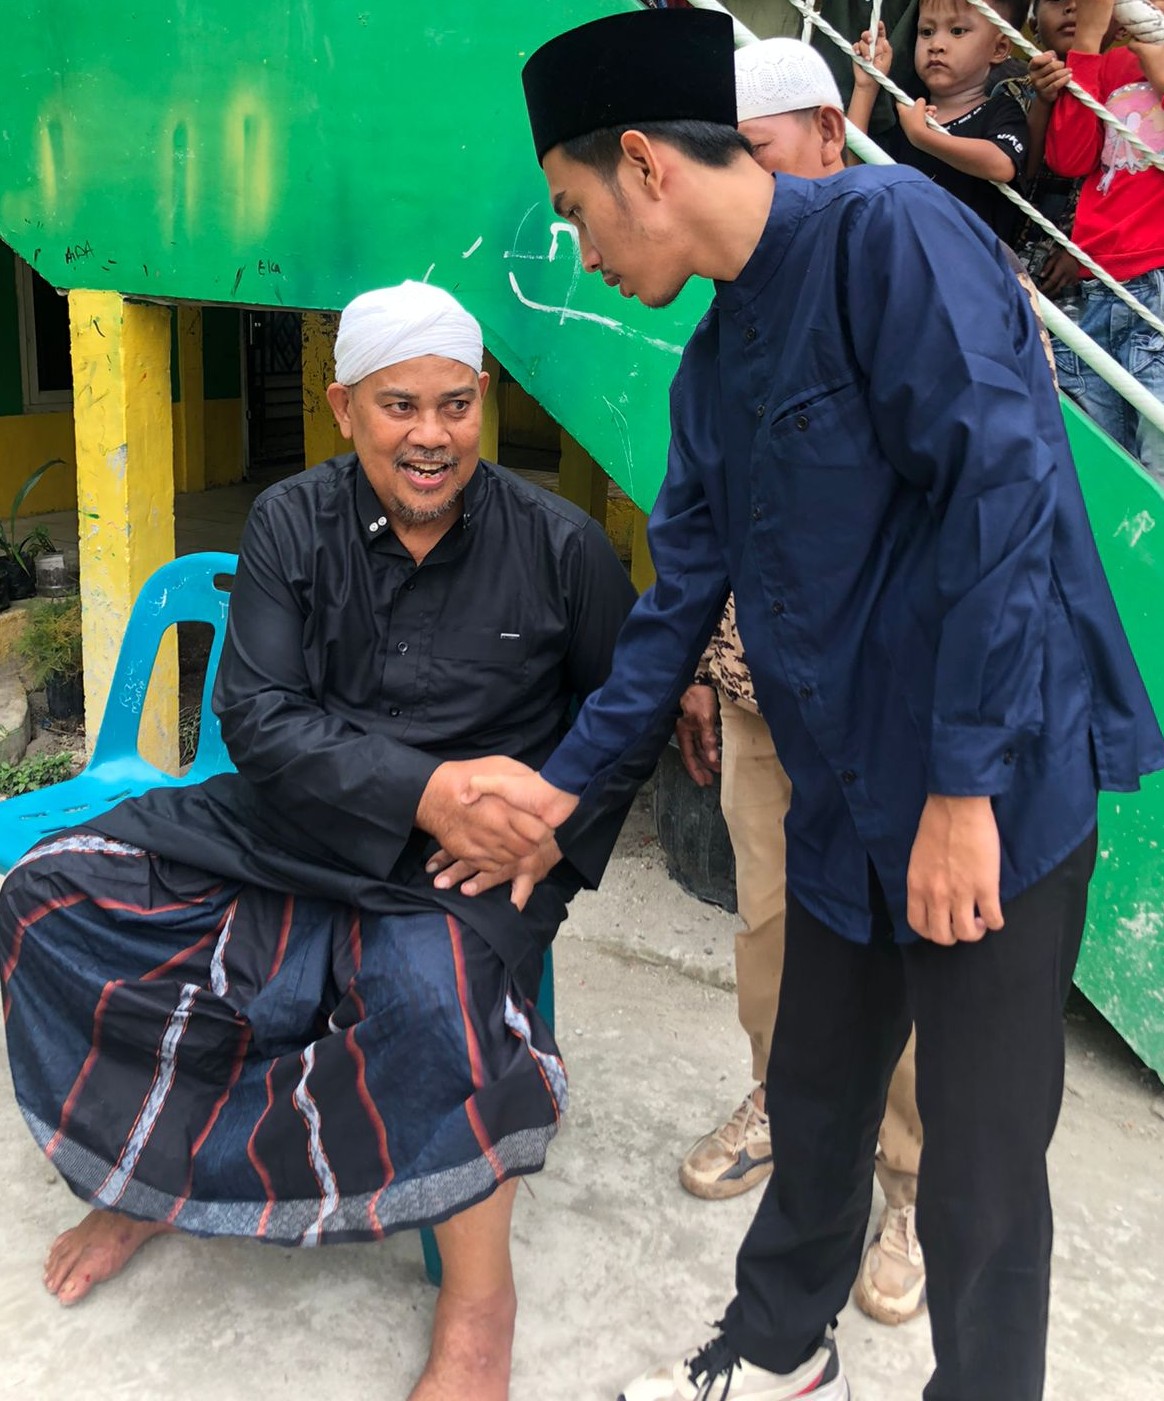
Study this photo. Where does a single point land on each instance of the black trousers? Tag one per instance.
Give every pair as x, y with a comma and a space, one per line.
989, 1018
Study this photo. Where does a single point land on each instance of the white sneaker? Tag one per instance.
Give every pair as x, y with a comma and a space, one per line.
715, 1373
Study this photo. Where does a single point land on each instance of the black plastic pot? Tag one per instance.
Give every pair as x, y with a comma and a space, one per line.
21, 582
65, 696
5, 595
693, 834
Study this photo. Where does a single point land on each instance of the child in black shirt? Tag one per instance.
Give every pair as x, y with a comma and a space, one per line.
984, 138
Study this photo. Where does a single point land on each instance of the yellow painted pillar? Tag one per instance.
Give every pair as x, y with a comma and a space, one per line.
190, 410
582, 480
321, 436
491, 411
642, 570
125, 494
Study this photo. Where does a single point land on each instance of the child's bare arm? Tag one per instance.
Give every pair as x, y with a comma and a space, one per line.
1049, 75
970, 154
864, 87
1092, 21
1151, 58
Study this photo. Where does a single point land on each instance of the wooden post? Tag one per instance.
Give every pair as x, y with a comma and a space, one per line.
125, 494
582, 480
321, 436
642, 570
190, 410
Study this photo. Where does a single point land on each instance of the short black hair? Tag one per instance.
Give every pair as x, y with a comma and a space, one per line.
708, 143
1015, 12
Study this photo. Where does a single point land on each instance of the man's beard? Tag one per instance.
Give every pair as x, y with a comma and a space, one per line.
413, 515
425, 515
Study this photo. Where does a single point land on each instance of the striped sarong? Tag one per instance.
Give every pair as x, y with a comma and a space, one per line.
235, 1061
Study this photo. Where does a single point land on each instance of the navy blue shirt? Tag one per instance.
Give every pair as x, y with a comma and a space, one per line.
867, 446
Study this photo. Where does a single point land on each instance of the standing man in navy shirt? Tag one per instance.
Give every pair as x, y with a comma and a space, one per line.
867, 447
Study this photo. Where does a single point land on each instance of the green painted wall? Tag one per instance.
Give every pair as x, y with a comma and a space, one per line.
11, 391
279, 156
221, 353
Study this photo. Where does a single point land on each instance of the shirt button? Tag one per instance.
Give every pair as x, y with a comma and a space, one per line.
408, 588
777, 608
805, 693
801, 422
402, 647
848, 776
1008, 756
760, 408
750, 334
756, 513
394, 712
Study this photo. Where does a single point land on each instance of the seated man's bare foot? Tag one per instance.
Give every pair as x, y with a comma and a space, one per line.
472, 1347
94, 1251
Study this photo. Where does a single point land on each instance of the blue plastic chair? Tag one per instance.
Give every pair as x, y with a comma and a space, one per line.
182, 591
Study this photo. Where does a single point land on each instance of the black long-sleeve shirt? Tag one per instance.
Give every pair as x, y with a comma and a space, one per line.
349, 673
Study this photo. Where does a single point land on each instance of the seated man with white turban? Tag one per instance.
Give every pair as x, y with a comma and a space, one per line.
242, 1008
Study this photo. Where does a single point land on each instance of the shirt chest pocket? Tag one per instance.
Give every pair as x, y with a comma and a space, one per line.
827, 430
493, 646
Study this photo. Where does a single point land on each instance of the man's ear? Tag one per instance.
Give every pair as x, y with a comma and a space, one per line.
644, 157
339, 396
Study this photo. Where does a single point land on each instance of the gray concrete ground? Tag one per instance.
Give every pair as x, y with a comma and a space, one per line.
616, 1265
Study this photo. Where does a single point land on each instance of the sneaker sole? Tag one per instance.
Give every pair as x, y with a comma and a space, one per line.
880, 1313
720, 1188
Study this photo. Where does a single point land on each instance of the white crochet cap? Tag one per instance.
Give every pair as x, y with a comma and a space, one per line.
394, 324
782, 75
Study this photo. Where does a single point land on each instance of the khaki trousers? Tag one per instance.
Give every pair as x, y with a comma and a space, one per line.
755, 795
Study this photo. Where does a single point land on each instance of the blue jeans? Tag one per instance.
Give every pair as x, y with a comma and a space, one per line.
1128, 339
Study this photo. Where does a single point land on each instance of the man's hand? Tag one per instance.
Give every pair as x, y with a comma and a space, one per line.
1060, 272
1049, 76
524, 875
913, 120
528, 792
695, 731
470, 824
954, 871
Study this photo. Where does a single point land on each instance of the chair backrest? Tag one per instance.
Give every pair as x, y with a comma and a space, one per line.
182, 591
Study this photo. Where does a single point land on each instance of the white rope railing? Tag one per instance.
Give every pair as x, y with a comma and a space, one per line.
745, 36
1060, 325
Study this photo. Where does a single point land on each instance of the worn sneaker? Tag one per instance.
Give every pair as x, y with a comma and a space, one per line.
734, 1158
892, 1284
715, 1373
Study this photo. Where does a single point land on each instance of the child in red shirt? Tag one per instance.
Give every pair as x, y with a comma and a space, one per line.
1120, 217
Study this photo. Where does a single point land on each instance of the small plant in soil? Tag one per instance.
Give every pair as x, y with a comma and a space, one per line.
36, 771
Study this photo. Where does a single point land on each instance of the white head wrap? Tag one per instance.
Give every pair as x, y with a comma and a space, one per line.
782, 75
393, 324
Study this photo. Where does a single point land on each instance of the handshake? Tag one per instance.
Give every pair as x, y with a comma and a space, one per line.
495, 819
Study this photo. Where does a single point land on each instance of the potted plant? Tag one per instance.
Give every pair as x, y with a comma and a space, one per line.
17, 555
51, 647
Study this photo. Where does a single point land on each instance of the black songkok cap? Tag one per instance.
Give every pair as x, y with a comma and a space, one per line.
643, 66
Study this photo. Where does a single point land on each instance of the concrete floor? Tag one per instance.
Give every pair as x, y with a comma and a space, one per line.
616, 1266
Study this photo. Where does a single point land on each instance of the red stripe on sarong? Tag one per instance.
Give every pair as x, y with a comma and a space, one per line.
90, 1061
48, 908
240, 1056
257, 1162
375, 1119
179, 958
284, 935
474, 1050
